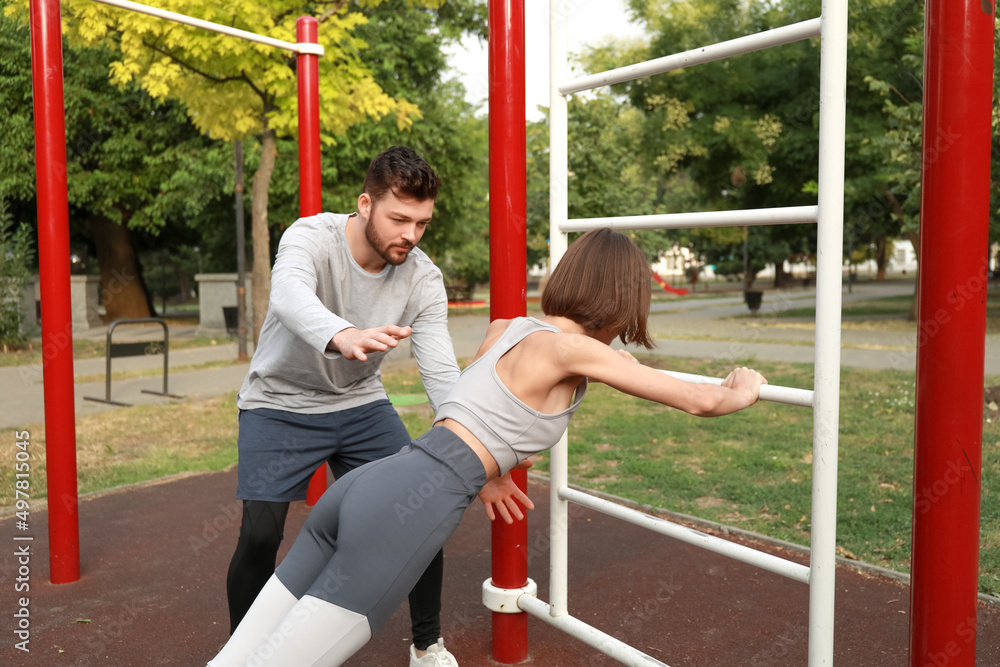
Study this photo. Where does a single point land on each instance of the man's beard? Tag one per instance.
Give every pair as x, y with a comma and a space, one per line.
384, 249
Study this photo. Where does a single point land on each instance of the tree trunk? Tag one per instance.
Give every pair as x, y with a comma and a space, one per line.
914, 238
184, 280
780, 275
881, 258
123, 289
260, 278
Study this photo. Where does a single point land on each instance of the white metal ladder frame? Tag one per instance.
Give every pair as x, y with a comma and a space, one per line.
831, 27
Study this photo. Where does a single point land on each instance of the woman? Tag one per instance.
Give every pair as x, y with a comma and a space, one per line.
374, 531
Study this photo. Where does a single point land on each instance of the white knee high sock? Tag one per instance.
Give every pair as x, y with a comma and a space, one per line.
269, 608
315, 633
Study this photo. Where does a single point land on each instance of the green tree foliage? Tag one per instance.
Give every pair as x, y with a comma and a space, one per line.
139, 174
16, 257
406, 55
605, 179
896, 145
233, 89
883, 199
736, 132
895, 148
745, 130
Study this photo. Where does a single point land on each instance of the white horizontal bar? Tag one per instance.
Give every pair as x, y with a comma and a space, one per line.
588, 634
706, 54
773, 393
785, 215
313, 49
765, 561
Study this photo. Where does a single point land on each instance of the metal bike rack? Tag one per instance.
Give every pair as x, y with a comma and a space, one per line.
132, 350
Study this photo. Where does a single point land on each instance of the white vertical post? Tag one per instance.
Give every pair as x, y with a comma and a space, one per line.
829, 278
558, 214
559, 529
558, 133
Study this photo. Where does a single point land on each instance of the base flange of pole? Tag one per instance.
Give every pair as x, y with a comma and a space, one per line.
504, 600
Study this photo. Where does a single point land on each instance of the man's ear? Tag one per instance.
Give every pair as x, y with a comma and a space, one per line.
364, 205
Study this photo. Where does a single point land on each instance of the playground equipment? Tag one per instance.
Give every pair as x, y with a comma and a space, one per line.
113, 350
53, 239
831, 27
955, 205
947, 610
949, 409
679, 291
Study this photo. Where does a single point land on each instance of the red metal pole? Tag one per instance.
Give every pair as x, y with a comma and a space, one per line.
508, 275
310, 192
307, 68
53, 260
955, 198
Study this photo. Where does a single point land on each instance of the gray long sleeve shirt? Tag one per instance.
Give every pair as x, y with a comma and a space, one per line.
318, 289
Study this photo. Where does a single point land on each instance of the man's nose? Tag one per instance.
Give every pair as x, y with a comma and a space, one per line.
410, 234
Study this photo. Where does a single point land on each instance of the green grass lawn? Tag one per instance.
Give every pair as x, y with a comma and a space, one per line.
96, 349
884, 307
751, 470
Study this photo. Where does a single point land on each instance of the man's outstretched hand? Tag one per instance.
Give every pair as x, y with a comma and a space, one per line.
355, 344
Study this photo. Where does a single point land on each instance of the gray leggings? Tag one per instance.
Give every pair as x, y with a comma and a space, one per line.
375, 530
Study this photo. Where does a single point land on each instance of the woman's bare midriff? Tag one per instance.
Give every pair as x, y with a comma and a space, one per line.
489, 463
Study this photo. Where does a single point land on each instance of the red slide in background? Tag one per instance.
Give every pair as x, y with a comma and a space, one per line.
680, 291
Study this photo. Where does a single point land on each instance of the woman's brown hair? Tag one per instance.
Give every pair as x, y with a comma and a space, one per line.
602, 282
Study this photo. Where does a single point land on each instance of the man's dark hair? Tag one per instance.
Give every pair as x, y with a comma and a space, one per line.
404, 173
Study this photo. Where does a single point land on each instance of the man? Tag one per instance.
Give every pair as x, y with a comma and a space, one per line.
344, 290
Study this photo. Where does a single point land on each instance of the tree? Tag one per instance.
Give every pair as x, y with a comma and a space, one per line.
604, 177
233, 89
735, 129
745, 129
406, 55
896, 145
16, 256
134, 165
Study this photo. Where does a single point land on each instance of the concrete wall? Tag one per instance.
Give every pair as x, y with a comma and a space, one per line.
84, 291
28, 307
215, 291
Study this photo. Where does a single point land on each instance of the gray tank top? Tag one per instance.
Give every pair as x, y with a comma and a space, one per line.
510, 430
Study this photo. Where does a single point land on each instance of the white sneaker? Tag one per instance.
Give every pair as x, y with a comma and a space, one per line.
437, 656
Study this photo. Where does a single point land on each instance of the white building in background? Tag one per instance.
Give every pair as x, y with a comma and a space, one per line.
902, 261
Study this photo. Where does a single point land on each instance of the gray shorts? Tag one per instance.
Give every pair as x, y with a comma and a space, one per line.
373, 533
279, 451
